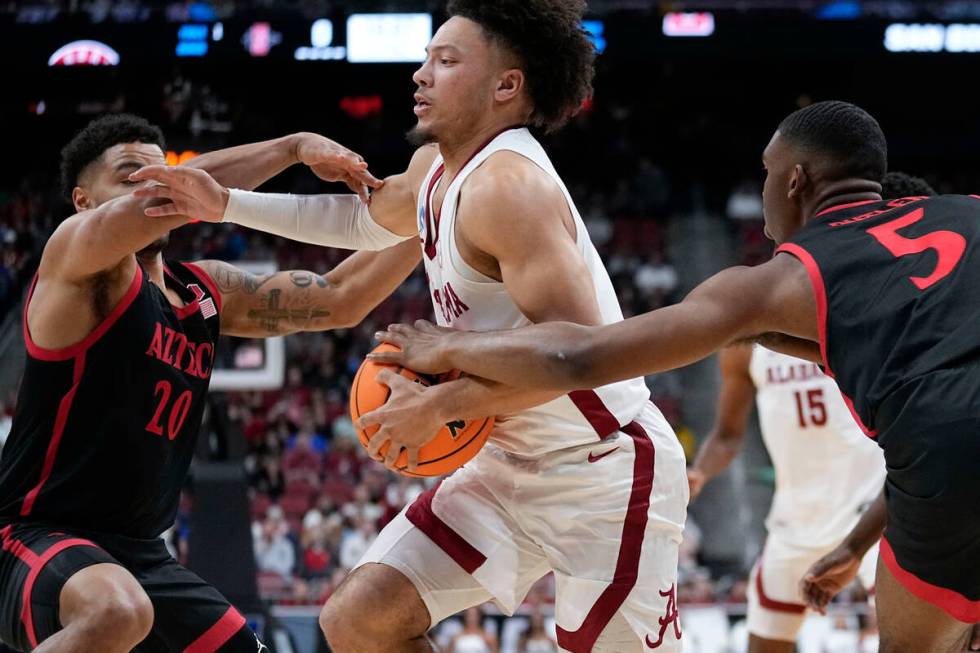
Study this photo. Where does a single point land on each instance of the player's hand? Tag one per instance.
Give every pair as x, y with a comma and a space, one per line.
828, 576
331, 161
184, 191
423, 347
407, 421
695, 482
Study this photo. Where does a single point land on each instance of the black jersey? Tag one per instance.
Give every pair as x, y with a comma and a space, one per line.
104, 431
897, 287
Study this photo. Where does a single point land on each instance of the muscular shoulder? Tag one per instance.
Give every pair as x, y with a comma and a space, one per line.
510, 199
420, 164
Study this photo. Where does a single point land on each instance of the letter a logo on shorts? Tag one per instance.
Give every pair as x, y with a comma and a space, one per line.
671, 616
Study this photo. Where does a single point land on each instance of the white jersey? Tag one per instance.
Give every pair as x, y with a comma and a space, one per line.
463, 298
827, 470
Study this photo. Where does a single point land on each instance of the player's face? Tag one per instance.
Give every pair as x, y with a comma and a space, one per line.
780, 201
108, 178
455, 83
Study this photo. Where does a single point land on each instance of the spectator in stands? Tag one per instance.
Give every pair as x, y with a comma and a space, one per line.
274, 551
362, 508
355, 542
656, 279
473, 638
535, 639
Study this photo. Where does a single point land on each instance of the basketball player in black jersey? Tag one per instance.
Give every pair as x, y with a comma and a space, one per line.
886, 294
120, 348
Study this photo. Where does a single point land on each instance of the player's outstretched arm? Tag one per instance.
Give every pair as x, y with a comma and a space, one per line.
249, 166
100, 239
734, 305
345, 221
298, 300
728, 433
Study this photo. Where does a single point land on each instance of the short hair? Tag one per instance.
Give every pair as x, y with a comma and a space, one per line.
548, 38
848, 135
98, 136
895, 185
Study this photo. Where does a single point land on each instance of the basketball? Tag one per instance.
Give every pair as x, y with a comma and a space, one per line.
454, 445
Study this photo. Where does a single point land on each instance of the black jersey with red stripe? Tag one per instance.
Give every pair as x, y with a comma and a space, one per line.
897, 286
104, 431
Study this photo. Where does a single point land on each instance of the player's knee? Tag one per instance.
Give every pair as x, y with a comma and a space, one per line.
107, 600
128, 611
349, 617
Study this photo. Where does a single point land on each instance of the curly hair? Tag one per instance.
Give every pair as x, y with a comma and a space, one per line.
98, 136
553, 48
895, 185
846, 133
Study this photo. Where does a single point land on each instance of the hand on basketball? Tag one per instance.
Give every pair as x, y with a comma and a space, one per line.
406, 421
828, 576
332, 161
186, 191
422, 346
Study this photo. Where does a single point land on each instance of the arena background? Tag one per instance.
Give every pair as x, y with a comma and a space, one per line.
664, 164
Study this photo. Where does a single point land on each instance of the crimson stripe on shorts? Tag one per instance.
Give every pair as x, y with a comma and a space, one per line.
64, 407
218, 635
773, 604
462, 552
590, 405
950, 601
631, 544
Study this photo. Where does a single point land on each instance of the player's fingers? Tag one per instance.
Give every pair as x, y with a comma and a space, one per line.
426, 327
154, 190
155, 172
387, 377
163, 211
413, 459
391, 456
376, 442
386, 357
370, 418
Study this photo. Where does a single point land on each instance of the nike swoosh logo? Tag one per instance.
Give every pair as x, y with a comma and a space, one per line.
594, 458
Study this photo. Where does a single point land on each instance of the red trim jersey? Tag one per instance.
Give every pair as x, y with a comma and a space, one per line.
897, 288
104, 430
463, 298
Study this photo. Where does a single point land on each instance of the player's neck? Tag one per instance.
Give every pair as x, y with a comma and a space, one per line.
845, 191
153, 266
457, 152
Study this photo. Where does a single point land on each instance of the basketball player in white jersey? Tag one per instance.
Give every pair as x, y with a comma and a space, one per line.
827, 473
589, 485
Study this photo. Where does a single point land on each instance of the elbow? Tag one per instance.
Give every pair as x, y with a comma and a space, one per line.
578, 361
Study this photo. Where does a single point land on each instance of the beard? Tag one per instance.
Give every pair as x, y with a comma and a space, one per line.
419, 136
154, 248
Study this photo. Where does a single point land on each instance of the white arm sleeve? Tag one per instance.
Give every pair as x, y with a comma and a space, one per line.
332, 220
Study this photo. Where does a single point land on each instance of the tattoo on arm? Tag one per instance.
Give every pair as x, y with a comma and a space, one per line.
230, 279
296, 317
302, 279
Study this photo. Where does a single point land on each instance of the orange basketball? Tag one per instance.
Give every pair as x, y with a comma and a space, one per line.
454, 445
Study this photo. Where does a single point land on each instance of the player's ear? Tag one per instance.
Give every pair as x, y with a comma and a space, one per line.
798, 182
81, 199
510, 84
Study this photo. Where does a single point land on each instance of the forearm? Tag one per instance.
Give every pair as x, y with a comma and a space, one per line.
716, 454
99, 239
869, 528
475, 398
248, 166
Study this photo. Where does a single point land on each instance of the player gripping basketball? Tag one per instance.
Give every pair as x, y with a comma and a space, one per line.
889, 291
120, 348
588, 484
